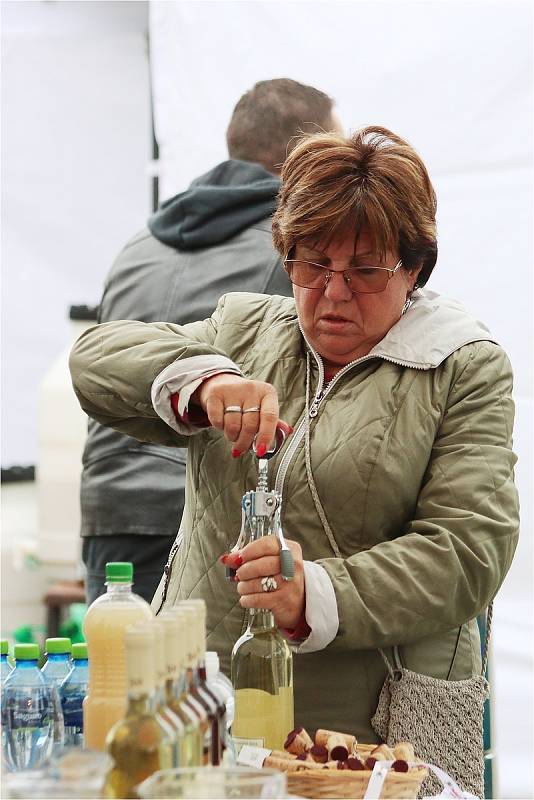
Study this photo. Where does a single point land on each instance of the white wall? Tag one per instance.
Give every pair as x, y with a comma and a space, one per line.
456, 80
75, 141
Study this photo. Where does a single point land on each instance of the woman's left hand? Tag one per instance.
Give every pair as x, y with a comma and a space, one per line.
261, 559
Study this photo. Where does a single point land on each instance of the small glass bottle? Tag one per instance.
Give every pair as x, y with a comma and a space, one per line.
219, 683
213, 701
190, 748
164, 713
72, 694
192, 699
138, 744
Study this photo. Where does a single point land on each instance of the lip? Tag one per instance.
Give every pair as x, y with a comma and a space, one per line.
334, 320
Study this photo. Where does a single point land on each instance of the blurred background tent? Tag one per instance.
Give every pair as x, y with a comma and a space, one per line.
108, 106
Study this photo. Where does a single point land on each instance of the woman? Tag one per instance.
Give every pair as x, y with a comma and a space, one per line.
397, 482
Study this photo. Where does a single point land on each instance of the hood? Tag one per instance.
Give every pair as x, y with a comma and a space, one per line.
218, 205
432, 329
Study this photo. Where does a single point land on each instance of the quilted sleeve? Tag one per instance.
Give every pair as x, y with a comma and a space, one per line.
449, 562
113, 366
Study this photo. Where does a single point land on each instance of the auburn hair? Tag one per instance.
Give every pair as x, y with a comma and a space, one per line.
371, 180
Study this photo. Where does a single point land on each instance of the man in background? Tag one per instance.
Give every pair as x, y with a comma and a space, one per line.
211, 239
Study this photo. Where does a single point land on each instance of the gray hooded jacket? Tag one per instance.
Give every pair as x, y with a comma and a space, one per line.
211, 239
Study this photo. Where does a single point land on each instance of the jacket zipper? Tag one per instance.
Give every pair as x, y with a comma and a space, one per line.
321, 394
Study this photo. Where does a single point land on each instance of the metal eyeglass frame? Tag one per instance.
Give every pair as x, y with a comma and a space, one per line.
330, 272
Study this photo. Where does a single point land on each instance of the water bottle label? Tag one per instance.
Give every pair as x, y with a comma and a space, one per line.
23, 714
73, 713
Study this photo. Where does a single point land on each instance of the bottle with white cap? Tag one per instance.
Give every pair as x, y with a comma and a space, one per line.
190, 746
211, 701
168, 719
218, 681
138, 744
184, 617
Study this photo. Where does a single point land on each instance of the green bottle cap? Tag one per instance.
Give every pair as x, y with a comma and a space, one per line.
57, 645
5, 647
79, 650
119, 572
26, 652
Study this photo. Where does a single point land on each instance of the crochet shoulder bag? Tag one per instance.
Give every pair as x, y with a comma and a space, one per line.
442, 719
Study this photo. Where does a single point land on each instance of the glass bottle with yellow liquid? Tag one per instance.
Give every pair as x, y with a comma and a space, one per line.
262, 663
182, 615
139, 744
190, 746
200, 690
164, 712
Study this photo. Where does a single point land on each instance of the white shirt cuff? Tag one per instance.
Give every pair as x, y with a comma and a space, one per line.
184, 376
321, 609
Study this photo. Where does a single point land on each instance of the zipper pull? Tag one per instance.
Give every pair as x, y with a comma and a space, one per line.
315, 405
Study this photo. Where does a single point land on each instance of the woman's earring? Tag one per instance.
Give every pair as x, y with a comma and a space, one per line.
407, 304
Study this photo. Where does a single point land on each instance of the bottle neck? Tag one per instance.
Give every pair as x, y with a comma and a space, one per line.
27, 664
4, 658
260, 619
81, 662
118, 589
140, 703
57, 658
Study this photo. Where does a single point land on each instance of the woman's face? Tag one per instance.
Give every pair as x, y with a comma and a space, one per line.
342, 326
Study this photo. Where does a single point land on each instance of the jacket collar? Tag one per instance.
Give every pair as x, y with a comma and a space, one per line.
432, 329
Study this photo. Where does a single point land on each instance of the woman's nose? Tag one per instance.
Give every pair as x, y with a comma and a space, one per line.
336, 288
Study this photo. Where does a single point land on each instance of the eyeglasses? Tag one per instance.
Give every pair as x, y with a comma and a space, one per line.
360, 280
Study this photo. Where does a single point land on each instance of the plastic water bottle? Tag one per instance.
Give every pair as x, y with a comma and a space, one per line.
56, 669
5, 666
27, 715
72, 693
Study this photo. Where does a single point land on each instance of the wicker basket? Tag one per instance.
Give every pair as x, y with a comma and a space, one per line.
329, 783
320, 784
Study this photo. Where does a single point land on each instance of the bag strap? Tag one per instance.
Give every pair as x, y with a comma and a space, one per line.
309, 474
398, 666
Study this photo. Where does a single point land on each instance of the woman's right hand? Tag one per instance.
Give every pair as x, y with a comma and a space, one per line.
223, 391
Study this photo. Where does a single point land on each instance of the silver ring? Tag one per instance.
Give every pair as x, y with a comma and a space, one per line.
251, 409
233, 410
269, 584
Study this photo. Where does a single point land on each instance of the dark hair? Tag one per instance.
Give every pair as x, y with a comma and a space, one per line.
372, 179
268, 116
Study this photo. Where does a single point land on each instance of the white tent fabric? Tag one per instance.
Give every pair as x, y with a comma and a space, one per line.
456, 80
75, 142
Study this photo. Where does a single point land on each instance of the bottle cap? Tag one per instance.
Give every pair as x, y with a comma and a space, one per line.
5, 647
212, 664
119, 572
79, 650
57, 645
26, 652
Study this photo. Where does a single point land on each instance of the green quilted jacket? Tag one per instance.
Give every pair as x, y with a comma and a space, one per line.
411, 450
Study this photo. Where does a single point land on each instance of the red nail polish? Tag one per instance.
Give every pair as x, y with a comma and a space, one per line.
224, 558
235, 579
261, 449
238, 561
236, 453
